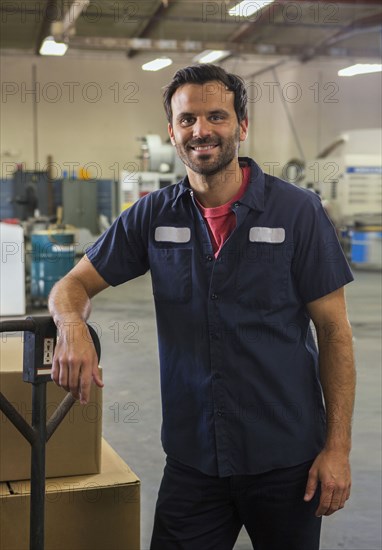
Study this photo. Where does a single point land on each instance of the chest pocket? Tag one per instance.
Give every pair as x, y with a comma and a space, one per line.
171, 274
263, 274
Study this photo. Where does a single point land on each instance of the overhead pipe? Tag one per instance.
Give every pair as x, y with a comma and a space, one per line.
56, 28
73, 14
196, 46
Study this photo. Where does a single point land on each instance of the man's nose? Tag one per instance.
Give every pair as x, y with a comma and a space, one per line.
201, 128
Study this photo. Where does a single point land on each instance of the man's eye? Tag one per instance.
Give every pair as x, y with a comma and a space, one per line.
186, 121
217, 117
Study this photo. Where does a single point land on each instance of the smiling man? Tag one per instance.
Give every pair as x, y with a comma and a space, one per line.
205, 129
256, 419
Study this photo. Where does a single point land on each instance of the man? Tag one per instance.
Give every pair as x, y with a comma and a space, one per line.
240, 263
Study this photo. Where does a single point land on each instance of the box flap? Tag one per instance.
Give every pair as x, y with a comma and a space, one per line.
114, 472
4, 490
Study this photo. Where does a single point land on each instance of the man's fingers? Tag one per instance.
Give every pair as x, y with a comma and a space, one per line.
59, 373
311, 486
74, 372
327, 492
85, 383
332, 499
97, 377
332, 471
342, 500
76, 368
55, 372
86, 378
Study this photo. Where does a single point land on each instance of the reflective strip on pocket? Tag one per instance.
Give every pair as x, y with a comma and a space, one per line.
172, 234
267, 235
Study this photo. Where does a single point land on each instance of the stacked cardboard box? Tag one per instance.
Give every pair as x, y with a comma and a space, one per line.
75, 447
93, 512
92, 496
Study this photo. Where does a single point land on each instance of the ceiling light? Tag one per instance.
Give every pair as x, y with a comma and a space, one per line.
157, 64
248, 7
51, 47
209, 56
360, 68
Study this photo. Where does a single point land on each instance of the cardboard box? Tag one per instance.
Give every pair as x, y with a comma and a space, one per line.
98, 512
73, 449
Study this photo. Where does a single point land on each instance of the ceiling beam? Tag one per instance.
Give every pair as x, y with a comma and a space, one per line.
194, 47
51, 12
54, 23
372, 23
268, 14
156, 16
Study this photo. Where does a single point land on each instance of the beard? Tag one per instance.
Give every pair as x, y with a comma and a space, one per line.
212, 162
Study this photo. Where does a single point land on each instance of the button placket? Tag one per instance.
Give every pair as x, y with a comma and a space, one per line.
216, 364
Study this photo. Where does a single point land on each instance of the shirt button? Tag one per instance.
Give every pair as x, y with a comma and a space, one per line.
214, 296
216, 376
236, 204
220, 413
209, 258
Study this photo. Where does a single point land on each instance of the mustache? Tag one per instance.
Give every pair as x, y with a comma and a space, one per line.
206, 141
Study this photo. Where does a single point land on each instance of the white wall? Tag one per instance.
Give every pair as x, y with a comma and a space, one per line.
88, 111
92, 108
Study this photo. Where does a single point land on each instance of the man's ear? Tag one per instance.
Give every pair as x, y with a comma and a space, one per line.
244, 129
171, 133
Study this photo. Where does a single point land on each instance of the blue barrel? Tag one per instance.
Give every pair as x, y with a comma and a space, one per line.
366, 248
52, 257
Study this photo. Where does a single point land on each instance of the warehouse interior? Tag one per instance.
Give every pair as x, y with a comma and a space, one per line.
83, 135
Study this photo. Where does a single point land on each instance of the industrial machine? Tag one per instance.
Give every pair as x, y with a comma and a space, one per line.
348, 176
135, 185
52, 257
31, 191
45, 223
160, 166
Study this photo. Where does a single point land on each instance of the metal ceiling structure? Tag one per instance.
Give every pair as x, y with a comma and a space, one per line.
302, 28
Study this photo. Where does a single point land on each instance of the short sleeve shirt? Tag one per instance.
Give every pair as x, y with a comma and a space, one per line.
239, 366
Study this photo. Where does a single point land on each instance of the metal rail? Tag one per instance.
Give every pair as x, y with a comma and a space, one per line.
39, 342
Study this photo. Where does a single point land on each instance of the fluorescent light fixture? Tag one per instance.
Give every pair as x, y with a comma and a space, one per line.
248, 7
51, 47
360, 68
157, 64
209, 56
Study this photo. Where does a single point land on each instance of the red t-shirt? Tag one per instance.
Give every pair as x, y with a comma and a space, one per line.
221, 220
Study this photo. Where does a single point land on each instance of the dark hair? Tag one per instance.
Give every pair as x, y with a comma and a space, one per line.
206, 72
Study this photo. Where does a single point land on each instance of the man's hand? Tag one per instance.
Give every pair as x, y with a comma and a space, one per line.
75, 361
331, 469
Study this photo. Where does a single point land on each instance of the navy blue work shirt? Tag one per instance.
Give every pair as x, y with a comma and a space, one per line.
239, 366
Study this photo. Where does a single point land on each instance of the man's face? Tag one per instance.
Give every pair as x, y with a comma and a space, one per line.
205, 129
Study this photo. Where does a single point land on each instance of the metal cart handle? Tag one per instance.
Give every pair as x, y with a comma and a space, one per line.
39, 342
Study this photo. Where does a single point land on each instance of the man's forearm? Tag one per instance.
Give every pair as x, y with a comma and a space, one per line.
75, 362
338, 378
69, 301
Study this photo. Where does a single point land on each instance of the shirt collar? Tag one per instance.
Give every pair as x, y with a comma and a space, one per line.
254, 195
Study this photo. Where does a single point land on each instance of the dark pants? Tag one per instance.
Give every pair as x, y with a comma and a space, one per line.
199, 512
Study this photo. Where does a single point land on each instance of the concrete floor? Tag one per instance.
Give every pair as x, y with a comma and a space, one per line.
132, 414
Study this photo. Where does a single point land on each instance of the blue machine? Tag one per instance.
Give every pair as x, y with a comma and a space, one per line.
53, 253
366, 248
